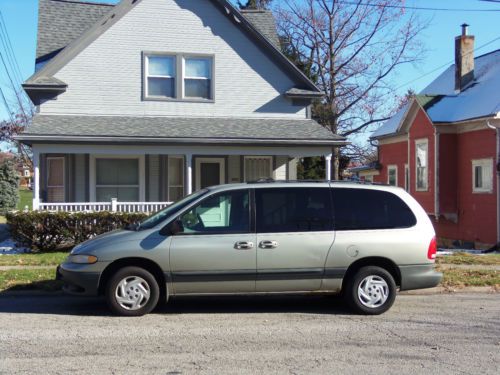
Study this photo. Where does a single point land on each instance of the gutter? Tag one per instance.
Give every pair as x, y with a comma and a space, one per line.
30, 139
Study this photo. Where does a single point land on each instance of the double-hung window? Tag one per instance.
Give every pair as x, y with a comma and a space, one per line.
482, 175
198, 77
179, 76
160, 76
422, 162
392, 175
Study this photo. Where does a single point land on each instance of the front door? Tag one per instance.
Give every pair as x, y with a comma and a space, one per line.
209, 172
294, 235
215, 253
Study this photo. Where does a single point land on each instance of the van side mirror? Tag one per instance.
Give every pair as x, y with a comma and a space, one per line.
172, 228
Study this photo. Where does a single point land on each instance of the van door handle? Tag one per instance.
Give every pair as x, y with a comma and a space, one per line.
268, 244
243, 245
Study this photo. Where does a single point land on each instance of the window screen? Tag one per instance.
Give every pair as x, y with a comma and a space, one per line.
293, 210
370, 209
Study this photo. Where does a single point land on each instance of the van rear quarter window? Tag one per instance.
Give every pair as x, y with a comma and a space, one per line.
357, 209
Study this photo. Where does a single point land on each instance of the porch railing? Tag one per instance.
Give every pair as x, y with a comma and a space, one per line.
114, 206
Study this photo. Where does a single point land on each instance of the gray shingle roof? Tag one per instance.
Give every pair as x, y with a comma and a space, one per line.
62, 21
162, 129
263, 20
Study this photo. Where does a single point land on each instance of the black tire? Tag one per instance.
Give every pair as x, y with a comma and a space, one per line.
133, 274
352, 298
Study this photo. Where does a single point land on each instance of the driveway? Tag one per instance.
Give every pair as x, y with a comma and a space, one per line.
445, 334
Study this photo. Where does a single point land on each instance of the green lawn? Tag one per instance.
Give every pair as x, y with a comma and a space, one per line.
465, 258
459, 277
44, 259
25, 199
26, 279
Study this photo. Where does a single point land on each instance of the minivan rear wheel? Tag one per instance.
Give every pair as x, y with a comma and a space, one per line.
371, 291
132, 291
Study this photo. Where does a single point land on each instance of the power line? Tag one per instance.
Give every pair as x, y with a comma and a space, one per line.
445, 64
6, 104
417, 8
10, 49
21, 107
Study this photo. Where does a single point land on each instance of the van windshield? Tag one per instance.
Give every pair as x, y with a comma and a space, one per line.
158, 217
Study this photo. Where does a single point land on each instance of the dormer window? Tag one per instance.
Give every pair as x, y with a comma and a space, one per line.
178, 77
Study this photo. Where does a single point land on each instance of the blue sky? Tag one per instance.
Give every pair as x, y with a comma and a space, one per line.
21, 21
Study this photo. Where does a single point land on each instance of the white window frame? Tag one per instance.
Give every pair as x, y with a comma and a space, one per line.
407, 177
417, 143
63, 186
26, 173
182, 171
484, 164
147, 75
270, 158
390, 168
93, 174
179, 76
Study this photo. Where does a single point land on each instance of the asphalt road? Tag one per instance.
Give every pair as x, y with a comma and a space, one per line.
439, 334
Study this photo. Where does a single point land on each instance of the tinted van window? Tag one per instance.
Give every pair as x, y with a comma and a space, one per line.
293, 210
370, 209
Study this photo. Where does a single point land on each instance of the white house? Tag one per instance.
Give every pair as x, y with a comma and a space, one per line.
148, 100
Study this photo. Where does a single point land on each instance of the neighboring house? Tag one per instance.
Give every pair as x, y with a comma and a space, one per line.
149, 100
363, 173
443, 146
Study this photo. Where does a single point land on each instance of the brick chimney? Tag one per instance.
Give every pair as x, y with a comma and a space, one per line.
464, 58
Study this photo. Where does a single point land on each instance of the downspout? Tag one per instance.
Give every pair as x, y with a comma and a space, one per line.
498, 175
436, 174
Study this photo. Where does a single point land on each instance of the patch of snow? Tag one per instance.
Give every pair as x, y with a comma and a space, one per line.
9, 247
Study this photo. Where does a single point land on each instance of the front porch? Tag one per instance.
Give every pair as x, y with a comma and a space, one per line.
146, 178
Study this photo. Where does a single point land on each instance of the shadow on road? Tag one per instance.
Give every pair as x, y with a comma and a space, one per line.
60, 304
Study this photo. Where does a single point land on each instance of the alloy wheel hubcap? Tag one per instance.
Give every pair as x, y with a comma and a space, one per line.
132, 293
373, 291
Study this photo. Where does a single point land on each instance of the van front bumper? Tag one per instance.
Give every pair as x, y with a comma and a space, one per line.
419, 276
78, 282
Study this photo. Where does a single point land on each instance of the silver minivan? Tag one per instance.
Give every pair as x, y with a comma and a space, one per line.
363, 241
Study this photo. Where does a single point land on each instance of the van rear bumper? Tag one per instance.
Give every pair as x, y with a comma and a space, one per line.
419, 276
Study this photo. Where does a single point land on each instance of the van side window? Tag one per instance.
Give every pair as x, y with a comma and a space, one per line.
370, 209
293, 210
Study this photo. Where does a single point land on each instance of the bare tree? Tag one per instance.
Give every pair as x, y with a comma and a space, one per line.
351, 49
10, 128
254, 4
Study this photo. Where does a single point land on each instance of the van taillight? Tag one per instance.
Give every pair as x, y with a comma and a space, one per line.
431, 253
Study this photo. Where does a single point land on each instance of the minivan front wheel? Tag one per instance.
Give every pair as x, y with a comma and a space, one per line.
371, 290
132, 291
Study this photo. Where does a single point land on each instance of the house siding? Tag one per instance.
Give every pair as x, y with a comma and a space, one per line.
280, 168
106, 77
477, 212
80, 178
234, 169
154, 178
393, 154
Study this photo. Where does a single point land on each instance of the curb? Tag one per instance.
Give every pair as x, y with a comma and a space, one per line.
450, 290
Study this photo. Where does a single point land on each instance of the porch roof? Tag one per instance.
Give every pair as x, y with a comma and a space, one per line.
194, 130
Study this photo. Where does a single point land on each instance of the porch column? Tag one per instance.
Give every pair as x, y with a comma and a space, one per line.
189, 173
36, 180
328, 167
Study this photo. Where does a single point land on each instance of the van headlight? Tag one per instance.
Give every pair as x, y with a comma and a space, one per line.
82, 259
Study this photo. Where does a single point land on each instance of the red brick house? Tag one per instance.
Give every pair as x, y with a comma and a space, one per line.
443, 147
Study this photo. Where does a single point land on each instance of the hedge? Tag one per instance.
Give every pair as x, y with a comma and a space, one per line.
49, 231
